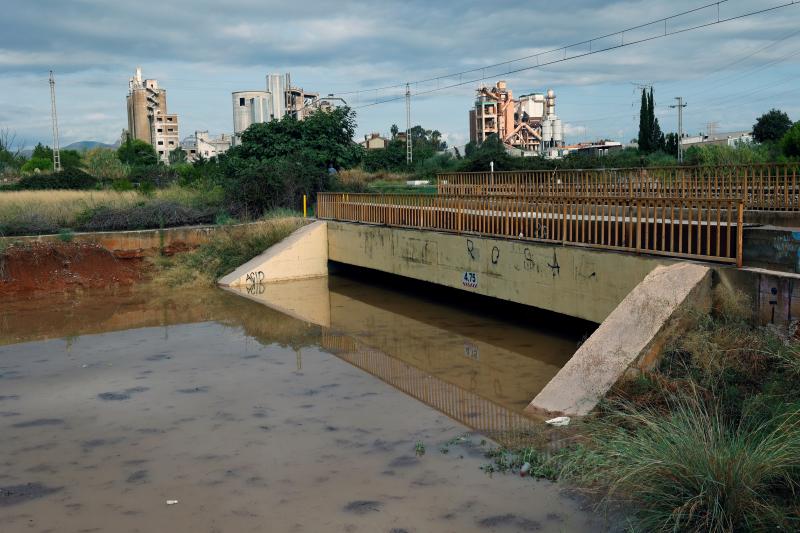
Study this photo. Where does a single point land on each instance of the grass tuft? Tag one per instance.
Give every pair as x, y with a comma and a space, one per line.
695, 469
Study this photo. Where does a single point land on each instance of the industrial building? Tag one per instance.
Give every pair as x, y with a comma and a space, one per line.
201, 144
148, 119
527, 126
717, 139
279, 99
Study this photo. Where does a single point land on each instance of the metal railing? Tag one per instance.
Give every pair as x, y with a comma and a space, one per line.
764, 187
677, 227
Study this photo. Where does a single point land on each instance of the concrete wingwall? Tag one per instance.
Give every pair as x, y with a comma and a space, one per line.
303, 254
579, 282
631, 339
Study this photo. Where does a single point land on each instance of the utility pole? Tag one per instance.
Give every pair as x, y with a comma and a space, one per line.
409, 148
54, 119
680, 105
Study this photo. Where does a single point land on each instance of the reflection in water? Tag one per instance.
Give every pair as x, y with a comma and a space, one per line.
476, 369
490, 419
113, 402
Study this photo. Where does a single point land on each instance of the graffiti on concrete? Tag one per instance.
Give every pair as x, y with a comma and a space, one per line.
254, 282
495, 255
471, 250
529, 263
555, 268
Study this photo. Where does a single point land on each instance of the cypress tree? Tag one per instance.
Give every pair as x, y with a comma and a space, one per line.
656, 141
644, 126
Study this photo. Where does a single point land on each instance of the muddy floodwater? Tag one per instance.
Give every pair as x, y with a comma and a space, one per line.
324, 405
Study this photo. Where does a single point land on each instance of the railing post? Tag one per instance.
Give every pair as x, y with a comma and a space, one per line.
458, 214
564, 223
638, 227
739, 233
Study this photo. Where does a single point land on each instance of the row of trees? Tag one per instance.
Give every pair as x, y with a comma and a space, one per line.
774, 129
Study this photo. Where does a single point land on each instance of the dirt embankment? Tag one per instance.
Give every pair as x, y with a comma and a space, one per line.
49, 266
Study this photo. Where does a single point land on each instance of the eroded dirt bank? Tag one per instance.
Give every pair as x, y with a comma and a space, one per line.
47, 266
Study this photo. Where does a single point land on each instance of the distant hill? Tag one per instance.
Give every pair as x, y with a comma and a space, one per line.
83, 146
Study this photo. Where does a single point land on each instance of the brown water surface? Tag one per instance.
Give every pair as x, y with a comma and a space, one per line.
300, 411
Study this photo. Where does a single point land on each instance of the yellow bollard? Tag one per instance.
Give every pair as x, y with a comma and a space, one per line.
305, 209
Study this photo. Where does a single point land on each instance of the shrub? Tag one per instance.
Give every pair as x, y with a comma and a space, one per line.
69, 178
28, 223
66, 235
122, 185
228, 249
156, 213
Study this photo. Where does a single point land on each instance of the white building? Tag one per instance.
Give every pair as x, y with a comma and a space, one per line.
718, 139
201, 144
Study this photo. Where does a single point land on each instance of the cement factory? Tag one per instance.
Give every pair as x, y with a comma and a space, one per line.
527, 126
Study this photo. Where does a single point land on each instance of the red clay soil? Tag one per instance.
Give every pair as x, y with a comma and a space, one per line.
62, 266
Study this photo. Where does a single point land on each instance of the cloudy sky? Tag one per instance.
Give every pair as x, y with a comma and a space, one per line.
201, 51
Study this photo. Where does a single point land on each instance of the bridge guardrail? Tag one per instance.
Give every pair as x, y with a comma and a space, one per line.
773, 187
704, 229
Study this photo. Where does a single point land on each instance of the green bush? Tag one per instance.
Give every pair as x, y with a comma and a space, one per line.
122, 185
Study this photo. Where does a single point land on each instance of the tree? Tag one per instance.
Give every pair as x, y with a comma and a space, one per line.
394, 130
71, 159
37, 164
790, 143
41, 151
644, 123
651, 138
323, 137
671, 144
104, 163
10, 151
177, 156
771, 126
135, 152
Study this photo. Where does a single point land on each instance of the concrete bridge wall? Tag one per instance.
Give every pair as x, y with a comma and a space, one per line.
574, 281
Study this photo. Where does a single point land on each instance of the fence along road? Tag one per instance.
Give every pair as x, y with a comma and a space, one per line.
705, 229
772, 187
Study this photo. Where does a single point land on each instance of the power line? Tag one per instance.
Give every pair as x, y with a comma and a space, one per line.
538, 54
539, 64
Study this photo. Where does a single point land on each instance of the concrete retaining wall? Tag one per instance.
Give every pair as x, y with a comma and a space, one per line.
574, 281
138, 243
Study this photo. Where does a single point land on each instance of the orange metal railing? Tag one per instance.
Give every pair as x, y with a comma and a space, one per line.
764, 187
707, 229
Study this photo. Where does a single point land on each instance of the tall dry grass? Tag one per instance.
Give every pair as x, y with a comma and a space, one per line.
51, 210
359, 175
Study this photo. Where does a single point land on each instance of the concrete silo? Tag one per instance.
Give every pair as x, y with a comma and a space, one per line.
249, 107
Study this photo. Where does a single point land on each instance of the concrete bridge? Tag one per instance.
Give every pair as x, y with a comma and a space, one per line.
628, 264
